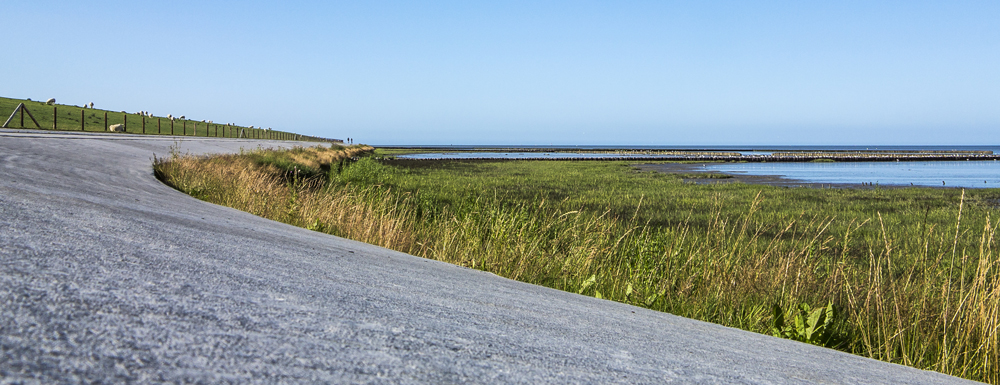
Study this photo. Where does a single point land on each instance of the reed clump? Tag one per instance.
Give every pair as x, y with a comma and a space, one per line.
921, 291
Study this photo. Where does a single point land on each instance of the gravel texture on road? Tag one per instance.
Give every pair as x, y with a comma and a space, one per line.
109, 276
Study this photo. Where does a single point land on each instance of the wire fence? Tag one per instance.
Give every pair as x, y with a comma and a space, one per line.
39, 115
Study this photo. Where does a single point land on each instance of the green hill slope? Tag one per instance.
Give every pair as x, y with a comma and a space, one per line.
75, 118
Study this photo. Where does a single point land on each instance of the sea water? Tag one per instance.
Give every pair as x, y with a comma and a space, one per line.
967, 174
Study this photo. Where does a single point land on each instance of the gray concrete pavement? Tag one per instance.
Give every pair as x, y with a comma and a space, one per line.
107, 275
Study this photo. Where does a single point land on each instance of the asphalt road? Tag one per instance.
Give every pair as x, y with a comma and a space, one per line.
106, 275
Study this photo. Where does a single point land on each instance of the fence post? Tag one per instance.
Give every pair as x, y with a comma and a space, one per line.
171, 127
105, 121
144, 124
22, 114
81, 120
158, 130
125, 121
55, 117
195, 133
185, 124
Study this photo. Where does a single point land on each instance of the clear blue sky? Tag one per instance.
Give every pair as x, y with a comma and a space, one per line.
528, 72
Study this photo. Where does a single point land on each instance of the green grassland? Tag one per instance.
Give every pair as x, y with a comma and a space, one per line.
68, 118
905, 275
662, 200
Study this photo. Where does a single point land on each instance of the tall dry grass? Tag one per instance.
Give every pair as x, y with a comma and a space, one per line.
239, 181
910, 295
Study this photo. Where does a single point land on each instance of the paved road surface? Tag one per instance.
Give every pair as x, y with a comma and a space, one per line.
106, 275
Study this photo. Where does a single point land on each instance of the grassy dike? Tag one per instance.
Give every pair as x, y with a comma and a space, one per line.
68, 118
901, 275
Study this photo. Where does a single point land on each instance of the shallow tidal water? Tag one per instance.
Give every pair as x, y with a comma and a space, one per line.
967, 174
